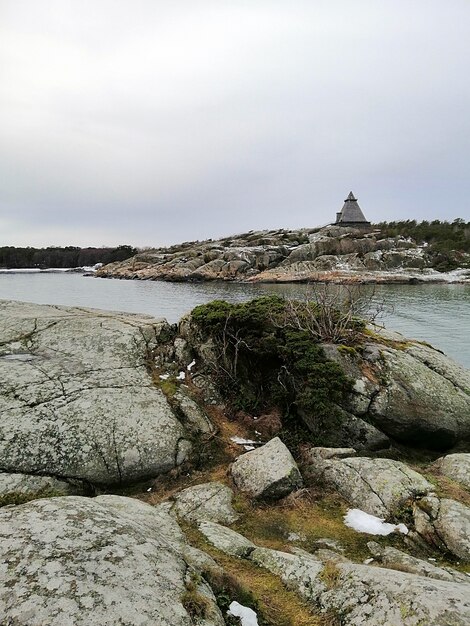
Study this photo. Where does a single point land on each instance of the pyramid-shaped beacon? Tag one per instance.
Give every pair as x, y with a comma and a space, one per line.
351, 213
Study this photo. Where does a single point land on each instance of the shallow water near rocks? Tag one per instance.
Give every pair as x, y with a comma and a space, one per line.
438, 314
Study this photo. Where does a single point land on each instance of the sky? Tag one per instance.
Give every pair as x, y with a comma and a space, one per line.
150, 122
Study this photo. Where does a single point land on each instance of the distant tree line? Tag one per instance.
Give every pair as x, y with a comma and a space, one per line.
447, 241
68, 256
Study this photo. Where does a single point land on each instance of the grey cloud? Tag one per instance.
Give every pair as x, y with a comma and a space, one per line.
151, 122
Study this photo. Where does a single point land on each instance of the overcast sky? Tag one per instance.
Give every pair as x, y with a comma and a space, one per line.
151, 122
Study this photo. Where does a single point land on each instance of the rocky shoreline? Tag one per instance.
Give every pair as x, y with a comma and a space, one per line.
330, 254
132, 493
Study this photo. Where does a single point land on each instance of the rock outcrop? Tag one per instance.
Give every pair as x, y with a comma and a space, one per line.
411, 392
268, 472
456, 467
445, 525
76, 397
358, 594
209, 502
101, 561
328, 254
377, 486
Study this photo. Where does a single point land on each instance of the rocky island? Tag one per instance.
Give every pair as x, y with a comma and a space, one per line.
263, 454
350, 250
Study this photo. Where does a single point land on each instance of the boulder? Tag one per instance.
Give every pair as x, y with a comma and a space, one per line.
192, 416
323, 454
96, 562
418, 404
445, 524
456, 467
403, 562
377, 486
269, 472
210, 502
77, 400
17, 487
407, 390
226, 540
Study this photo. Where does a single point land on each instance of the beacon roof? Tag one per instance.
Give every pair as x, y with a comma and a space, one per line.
351, 213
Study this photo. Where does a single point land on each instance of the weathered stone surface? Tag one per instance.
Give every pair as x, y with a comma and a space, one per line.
101, 561
396, 559
445, 524
226, 540
267, 472
14, 485
418, 404
211, 502
409, 391
76, 398
377, 486
330, 453
194, 418
369, 596
456, 467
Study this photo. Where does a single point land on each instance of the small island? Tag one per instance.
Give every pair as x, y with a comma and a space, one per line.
349, 250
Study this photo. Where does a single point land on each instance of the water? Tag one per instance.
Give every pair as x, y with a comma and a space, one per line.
438, 314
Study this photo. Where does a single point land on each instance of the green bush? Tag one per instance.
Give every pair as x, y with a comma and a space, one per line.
266, 359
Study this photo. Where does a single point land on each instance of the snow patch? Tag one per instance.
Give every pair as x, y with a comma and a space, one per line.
181, 376
191, 365
164, 376
365, 523
247, 616
243, 442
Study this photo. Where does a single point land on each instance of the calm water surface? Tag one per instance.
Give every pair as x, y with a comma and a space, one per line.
439, 314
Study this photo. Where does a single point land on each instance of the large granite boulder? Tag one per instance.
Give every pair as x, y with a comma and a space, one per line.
456, 467
269, 472
409, 391
96, 562
77, 399
210, 502
377, 486
445, 524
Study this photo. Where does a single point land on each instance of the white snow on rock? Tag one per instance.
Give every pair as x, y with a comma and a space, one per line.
191, 365
243, 442
365, 523
181, 376
247, 616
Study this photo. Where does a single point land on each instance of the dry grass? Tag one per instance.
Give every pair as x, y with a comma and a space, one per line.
445, 487
306, 514
276, 605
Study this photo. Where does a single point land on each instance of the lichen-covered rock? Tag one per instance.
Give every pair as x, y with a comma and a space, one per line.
401, 561
211, 502
96, 562
193, 417
376, 486
226, 540
409, 391
444, 524
268, 472
324, 454
419, 404
455, 467
16, 487
369, 596
76, 397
